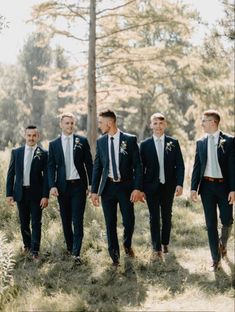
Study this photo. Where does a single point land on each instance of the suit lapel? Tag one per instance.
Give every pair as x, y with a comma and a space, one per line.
153, 151
21, 159
120, 142
60, 148
203, 152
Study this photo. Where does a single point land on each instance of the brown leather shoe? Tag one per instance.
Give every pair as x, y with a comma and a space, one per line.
26, 251
157, 256
115, 264
216, 266
165, 249
129, 252
223, 250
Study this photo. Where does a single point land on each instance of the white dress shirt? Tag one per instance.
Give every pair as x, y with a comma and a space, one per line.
73, 175
208, 172
116, 143
26, 152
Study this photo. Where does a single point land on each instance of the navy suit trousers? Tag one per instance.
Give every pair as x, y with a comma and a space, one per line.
213, 194
160, 211
27, 208
114, 194
72, 206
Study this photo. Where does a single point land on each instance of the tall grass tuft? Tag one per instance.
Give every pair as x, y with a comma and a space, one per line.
6, 267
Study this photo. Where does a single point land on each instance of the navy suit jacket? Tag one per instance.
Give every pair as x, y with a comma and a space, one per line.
56, 163
173, 164
226, 159
38, 174
129, 163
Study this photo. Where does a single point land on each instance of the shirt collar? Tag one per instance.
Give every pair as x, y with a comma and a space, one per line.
64, 137
116, 135
162, 137
27, 147
215, 134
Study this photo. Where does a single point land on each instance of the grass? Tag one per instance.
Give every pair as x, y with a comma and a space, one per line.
182, 283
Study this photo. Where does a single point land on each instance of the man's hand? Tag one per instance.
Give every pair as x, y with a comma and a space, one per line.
95, 199
54, 191
10, 200
178, 190
88, 191
44, 202
135, 196
231, 198
194, 196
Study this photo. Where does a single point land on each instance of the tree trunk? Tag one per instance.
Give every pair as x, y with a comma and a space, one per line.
91, 118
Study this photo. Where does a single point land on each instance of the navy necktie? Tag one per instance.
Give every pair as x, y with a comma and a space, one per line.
114, 165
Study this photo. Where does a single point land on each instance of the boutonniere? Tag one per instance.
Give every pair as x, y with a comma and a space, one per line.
38, 153
77, 143
123, 147
221, 143
169, 146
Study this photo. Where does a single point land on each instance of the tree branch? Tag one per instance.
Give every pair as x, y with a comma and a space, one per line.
115, 8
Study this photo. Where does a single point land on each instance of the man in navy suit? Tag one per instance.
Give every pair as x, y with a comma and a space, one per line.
163, 168
117, 177
27, 184
213, 178
69, 173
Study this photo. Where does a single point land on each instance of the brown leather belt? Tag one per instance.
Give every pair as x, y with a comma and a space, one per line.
218, 180
76, 181
115, 181
26, 187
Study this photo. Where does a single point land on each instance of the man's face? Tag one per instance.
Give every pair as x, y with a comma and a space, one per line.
158, 126
67, 125
208, 124
31, 137
104, 124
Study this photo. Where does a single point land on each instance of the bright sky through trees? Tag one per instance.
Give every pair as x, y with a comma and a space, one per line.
17, 12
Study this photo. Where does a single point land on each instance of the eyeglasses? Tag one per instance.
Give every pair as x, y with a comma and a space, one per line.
204, 120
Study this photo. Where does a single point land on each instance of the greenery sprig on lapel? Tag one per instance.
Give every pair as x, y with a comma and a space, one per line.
169, 146
77, 144
123, 147
221, 143
38, 153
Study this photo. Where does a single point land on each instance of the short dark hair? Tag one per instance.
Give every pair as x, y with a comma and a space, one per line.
108, 114
31, 127
214, 114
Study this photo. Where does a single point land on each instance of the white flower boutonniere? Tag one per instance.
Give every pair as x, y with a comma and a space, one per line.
169, 146
38, 153
77, 143
221, 143
123, 148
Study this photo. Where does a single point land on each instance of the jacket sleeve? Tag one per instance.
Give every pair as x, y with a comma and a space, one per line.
137, 166
97, 171
88, 161
51, 169
231, 164
179, 166
196, 171
10, 175
45, 190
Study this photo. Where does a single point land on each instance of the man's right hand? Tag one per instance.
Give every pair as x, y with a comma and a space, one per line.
194, 196
95, 199
10, 200
54, 191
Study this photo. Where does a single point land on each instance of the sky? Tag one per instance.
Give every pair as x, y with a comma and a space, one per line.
17, 12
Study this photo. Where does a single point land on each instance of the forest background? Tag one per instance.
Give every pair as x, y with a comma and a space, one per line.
136, 57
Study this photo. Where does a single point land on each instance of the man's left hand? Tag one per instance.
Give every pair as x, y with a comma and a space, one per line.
231, 198
178, 190
44, 202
